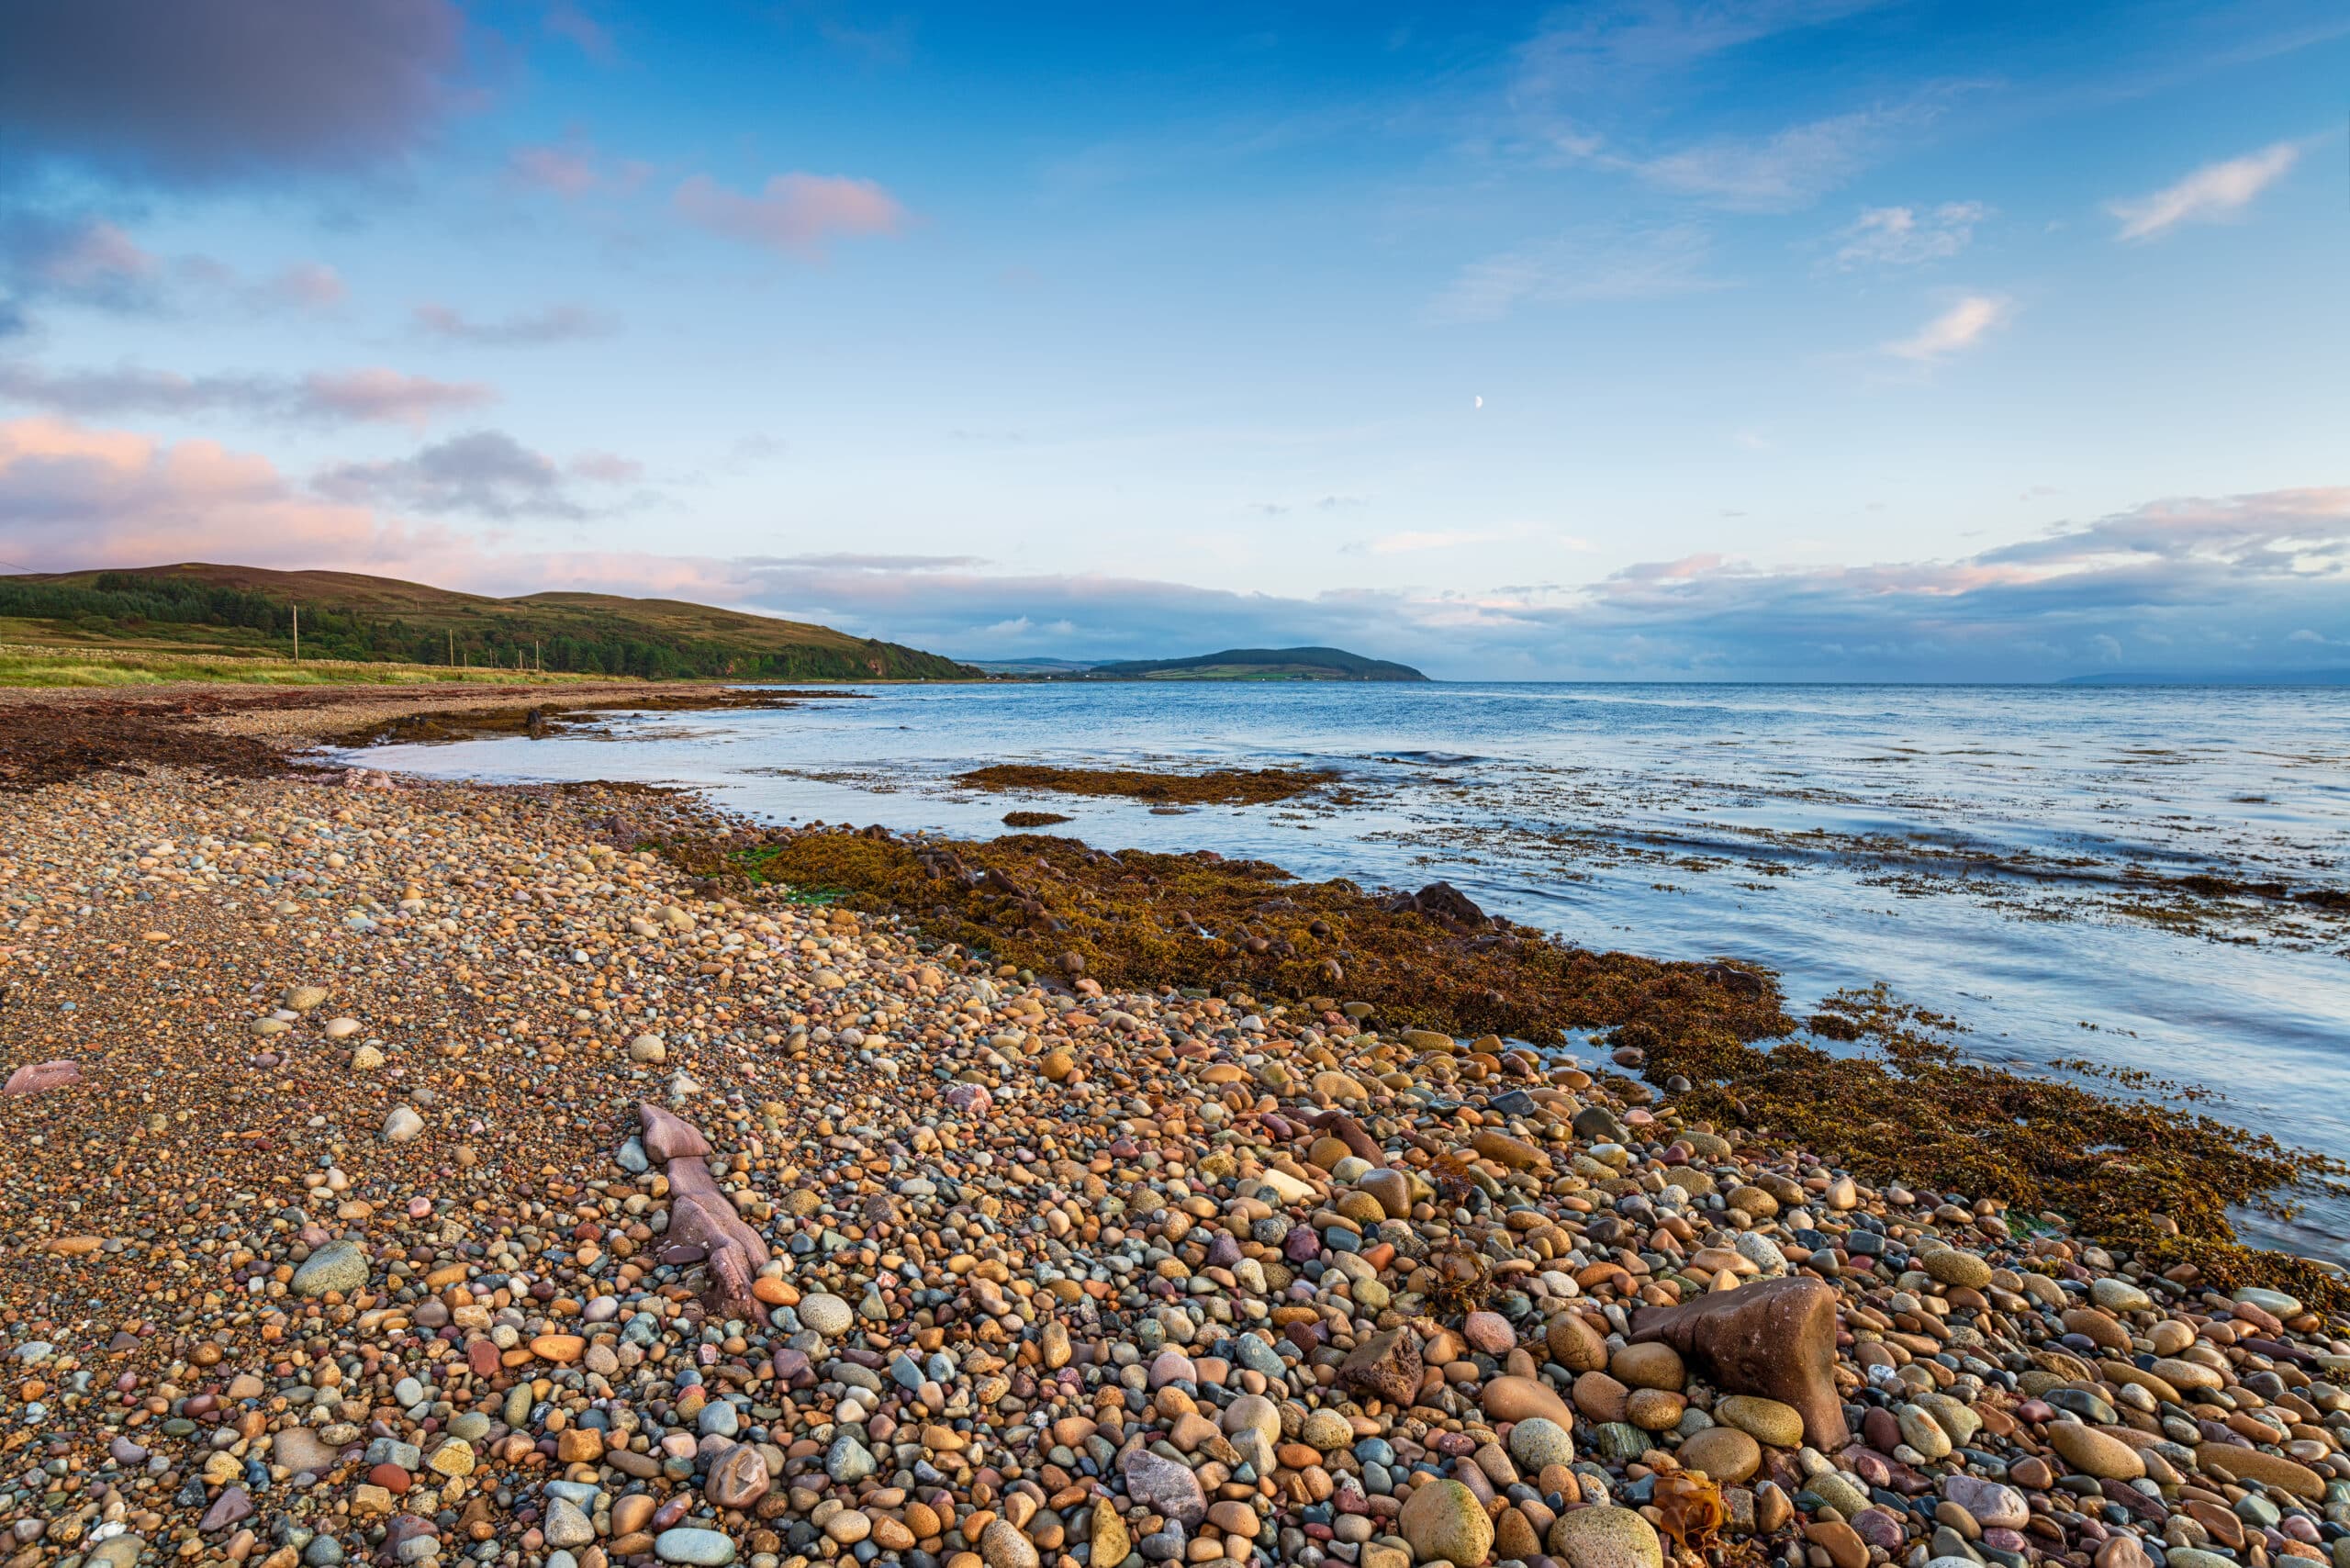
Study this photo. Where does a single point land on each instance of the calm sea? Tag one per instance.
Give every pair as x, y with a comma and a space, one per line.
1983, 851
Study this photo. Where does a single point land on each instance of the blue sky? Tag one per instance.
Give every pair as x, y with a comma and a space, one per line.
1748, 339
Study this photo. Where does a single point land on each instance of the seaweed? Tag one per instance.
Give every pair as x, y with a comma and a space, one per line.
1221, 787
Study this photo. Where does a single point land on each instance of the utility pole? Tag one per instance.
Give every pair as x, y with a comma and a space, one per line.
537, 658
453, 647
298, 634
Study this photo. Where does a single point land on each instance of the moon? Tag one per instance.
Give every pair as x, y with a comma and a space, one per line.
1479, 401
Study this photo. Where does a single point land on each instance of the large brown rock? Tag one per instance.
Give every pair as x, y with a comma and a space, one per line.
1387, 1366
1775, 1337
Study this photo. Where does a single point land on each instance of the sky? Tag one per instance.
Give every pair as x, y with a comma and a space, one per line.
1683, 339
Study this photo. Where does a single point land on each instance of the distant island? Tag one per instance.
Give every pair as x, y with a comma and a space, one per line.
1232, 664
196, 608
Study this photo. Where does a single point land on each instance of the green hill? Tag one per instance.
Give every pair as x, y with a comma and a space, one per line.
1258, 664
199, 608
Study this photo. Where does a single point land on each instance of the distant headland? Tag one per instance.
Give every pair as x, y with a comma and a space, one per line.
1232, 664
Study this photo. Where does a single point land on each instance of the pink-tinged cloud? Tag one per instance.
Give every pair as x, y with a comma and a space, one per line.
372, 395
555, 324
389, 397
93, 255
794, 214
312, 285
1961, 327
2212, 193
573, 167
567, 171
72, 497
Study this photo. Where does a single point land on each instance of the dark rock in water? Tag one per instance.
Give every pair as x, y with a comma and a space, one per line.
1444, 898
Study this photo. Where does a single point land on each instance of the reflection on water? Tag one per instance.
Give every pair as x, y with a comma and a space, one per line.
2150, 878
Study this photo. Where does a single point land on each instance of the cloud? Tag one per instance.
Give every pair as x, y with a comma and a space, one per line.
852, 561
72, 497
313, 286
1621, 47
555, 324
1904, 236
2212, 193
209, 89
89, 261
1601, 265
1961, 327
1785, 172
2203, 584
486, 474
567, 20
372, 394
81, 261
793, 214
573, 167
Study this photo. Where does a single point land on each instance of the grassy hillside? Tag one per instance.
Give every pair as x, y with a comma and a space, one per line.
1259, 664
200, 609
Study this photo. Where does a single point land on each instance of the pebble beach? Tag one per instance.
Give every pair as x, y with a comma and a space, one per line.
413, 1172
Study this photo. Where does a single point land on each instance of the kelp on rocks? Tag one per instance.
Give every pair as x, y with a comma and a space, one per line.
1218, 786
1138, 919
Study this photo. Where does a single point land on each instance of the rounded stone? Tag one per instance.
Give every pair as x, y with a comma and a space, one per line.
1536, 1443
700, 1548
1648, 1366
2093, 1452
1605, 1537
1444, 1522
1951, 1267
1002, 1546
826, 1314
1766, 1421
337, 1266
1726, 1454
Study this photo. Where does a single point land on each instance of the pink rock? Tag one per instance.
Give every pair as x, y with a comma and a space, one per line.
972, 1098
669, 1137
419, 1208
1992, 1505
38, 1078
1489, 1332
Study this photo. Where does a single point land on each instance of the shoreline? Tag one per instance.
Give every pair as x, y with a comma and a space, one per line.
1052, 1267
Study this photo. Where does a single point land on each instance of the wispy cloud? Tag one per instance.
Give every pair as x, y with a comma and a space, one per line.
2212, 193
854, 561
1907, 236
554, 324
793, 214
1785, 172
573, 167
1961, 327
370, 394
1600, 265
85, 261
